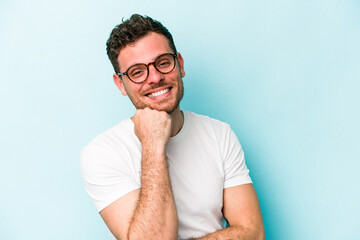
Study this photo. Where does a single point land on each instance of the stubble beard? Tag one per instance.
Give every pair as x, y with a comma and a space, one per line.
179, 96
168, 109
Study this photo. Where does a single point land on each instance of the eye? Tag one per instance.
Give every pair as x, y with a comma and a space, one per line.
163, 63
137, 71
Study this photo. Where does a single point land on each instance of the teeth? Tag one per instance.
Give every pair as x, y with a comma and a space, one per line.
156, 94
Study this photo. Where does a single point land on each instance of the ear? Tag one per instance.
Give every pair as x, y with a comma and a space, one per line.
119, 83
181, 64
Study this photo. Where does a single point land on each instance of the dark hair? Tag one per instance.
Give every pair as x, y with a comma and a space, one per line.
129, 31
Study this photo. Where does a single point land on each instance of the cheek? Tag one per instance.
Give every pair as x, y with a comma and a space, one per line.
133, 90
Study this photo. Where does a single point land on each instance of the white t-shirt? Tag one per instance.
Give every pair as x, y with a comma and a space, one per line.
204, 158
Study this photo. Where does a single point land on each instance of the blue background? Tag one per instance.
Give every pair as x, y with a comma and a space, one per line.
284, 74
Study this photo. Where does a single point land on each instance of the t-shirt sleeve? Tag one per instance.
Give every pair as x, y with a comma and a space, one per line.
106, 177
235, 169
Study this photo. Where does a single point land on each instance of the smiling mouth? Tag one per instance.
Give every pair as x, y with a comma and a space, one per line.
158, 93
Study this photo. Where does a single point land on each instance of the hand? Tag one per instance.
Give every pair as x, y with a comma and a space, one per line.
152, 127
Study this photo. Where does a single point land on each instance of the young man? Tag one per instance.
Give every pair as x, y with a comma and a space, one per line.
166, 173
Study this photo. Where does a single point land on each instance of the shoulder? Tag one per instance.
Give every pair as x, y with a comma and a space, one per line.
208, 129
107, 164
207, 122
119, 133
109, 145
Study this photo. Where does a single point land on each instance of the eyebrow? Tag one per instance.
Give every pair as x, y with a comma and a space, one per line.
145, 63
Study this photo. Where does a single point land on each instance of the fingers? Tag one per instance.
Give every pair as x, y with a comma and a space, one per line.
152, 126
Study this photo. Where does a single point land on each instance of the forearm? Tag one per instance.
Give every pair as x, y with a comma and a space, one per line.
235, 233
155, 216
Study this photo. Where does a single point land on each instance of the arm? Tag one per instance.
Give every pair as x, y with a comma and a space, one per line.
148, 213
242, 210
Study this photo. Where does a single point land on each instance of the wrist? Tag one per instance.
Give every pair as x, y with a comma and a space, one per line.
154, 148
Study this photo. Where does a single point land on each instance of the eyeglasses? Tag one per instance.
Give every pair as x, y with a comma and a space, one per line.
138, 73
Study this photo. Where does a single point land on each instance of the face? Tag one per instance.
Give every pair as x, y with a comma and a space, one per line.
162, 92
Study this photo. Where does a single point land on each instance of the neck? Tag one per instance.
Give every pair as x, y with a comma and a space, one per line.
177, 117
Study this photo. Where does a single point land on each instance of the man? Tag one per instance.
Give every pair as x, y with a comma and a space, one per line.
166, 173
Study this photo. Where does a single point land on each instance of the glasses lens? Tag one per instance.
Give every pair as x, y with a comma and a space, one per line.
165, 63
137, 73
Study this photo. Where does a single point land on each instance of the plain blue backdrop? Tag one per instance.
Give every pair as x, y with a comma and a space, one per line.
284, 74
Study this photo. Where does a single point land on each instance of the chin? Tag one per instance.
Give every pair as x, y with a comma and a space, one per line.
168, 109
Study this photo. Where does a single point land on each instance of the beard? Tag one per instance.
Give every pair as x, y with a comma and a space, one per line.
179, 96
166, 106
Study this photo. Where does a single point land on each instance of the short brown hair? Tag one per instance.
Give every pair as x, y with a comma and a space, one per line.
129, 31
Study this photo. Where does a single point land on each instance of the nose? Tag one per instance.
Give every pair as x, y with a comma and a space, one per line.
154, 75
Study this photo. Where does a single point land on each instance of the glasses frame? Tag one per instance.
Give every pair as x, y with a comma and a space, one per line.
174, 55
